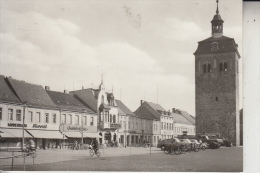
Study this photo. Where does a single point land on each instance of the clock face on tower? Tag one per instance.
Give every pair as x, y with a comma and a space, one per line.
214, 46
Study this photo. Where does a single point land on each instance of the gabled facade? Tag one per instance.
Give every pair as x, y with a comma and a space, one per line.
104, 105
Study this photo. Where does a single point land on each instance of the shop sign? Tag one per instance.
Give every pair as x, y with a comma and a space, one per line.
16, 125
66, 128
39, 126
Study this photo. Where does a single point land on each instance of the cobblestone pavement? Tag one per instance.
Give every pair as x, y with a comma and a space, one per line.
140, 159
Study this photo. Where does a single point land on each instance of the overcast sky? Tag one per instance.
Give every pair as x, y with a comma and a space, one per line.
137, 45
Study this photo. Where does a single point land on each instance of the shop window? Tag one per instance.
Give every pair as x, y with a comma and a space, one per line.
54, 118
225, 66
77, 120
46, 117
92, 121
18, 115
38, 117
0, 113
10, 114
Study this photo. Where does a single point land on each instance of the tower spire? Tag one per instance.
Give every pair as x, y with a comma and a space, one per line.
217, 8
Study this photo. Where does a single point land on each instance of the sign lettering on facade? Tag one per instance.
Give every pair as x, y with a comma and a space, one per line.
16, 125
39, 126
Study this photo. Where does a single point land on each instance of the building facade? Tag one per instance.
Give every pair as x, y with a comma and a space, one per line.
104, 105
217, 85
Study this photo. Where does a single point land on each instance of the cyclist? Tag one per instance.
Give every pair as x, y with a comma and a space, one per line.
30, 145
95, 145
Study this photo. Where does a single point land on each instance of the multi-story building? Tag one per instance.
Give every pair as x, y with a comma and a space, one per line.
183, 123
130, 131
166, 124
77, 120
38, 113
102, 103
11, 116
150, 115
217, 85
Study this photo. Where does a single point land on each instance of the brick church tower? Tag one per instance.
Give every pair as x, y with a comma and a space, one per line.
217, 85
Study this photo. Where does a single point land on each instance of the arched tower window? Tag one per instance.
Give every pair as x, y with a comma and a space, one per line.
220, 66
204, 68
209, 68
225, 66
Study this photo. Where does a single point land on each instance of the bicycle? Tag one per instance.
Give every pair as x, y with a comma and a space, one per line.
30, 152
92, 152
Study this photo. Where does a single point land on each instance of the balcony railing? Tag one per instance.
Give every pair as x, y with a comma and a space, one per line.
108, 125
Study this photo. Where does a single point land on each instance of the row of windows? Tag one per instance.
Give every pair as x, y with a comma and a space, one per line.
67, 119
37, 118
207, 67
167, 126
48, 118
108, 118
30, 117
181, 129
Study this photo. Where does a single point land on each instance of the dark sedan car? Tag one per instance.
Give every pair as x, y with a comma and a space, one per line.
167, 142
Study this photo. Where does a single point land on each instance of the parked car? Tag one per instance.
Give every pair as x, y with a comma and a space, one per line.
168, 142
194, 141
210, 139
227, 143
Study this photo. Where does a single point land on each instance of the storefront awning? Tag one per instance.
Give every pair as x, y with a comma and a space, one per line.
13, 133
46, 134
73, 134
92, 135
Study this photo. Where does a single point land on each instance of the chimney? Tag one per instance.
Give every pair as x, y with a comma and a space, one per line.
141, 102
47, 88
66, 91
173, 110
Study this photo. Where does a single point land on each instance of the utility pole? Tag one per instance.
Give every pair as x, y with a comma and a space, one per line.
25, 106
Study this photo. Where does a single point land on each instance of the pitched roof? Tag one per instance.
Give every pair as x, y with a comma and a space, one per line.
149, 110
225, 44
88, 97
6, 93
188, 116
67, 101
33, 94
156, 106
178, 118
124, 109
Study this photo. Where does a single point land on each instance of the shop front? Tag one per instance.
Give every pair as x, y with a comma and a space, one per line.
11, 138
78, 134
46, 136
